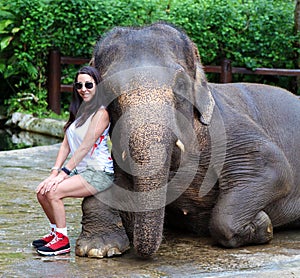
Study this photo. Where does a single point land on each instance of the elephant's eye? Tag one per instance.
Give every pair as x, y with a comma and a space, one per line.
181, 90
180, 97
180, 86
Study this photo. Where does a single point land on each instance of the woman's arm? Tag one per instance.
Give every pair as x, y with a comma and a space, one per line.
61, 157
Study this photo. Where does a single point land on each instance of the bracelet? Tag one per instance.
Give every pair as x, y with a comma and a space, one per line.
67, 171
55, 168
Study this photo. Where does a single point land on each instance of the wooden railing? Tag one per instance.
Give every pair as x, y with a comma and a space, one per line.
225, 70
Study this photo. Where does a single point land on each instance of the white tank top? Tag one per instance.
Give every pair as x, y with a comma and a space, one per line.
99, 156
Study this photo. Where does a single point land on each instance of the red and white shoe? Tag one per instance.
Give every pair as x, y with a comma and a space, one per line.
44, 240
58, 246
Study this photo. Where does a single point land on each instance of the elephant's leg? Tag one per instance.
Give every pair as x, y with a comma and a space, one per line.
103, 233
285, 215
239, 217
233, 229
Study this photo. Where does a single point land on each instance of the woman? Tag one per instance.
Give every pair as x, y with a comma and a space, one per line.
89, 169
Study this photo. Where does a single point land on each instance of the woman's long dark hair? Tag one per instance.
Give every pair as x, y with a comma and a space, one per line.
78, 108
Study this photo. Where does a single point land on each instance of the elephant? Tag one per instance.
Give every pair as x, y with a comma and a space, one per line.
205, 158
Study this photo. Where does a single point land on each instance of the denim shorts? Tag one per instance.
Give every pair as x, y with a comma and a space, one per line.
100, 180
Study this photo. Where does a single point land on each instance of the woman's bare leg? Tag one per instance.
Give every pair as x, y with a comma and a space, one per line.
46, 207
75, 187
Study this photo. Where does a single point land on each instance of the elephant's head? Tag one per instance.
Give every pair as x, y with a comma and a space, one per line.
155, 87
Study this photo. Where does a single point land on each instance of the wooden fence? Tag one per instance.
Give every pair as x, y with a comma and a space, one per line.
225, 70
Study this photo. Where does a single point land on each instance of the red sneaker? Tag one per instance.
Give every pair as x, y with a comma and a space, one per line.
59, 245
44, 240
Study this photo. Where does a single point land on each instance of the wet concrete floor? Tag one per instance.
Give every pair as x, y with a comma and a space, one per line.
22, 220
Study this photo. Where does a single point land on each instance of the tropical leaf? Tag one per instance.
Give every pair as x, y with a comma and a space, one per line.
5, 42
31, 69
9, 71
15, 30
2, 67
4, 24
5, 13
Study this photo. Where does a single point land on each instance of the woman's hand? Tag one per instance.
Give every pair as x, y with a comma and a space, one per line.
50, 183
42, 186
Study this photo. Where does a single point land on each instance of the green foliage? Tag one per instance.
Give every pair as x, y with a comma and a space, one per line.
252, 33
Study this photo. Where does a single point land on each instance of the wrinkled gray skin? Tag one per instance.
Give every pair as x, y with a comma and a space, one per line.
222, 159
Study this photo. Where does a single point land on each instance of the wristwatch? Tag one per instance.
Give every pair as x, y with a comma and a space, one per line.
66, 170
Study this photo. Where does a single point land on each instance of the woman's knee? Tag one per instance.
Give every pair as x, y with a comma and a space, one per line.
47, 197
40, 196
52, 195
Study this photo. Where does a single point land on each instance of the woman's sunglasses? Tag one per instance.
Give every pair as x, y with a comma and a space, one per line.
88, 85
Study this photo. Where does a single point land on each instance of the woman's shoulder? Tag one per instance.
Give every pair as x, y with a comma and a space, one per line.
101, 110
101, 114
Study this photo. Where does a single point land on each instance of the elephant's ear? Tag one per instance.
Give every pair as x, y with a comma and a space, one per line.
204, 101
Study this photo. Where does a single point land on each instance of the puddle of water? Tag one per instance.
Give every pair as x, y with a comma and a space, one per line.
22, 220
16, 139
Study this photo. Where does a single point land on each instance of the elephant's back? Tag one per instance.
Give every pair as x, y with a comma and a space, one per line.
268, 105
269, 110
260, 95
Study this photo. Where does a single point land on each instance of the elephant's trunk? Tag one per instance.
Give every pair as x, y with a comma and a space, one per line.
148, 232
151, 155
143, 141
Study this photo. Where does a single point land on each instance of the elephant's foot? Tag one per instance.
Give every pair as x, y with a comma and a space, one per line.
258, 231
102, 245
103, 233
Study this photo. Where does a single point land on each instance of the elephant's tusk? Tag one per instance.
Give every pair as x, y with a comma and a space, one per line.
180, 145
124, 155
